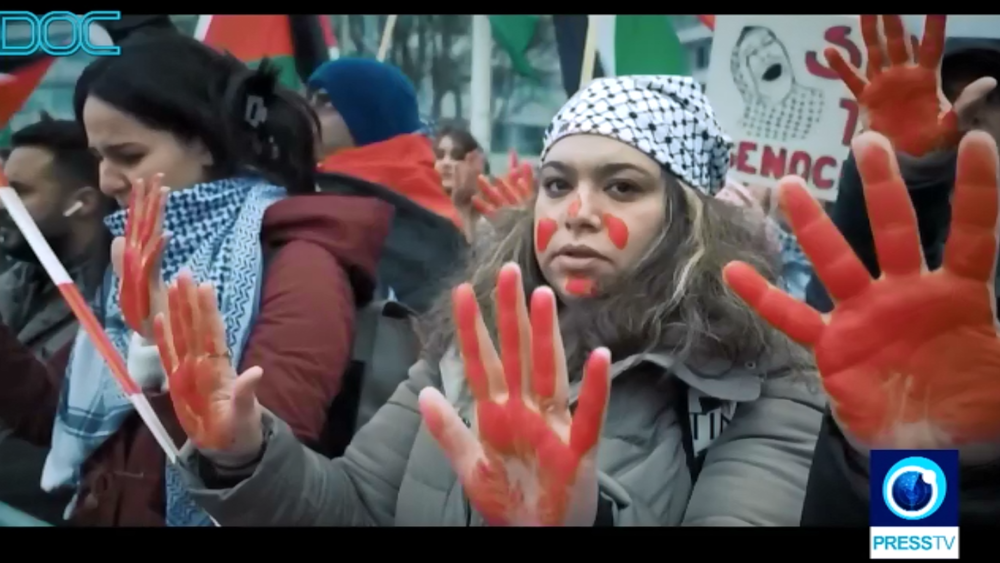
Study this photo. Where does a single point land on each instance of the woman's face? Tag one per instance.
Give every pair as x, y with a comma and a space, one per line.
129, 151
601, 205
451, 165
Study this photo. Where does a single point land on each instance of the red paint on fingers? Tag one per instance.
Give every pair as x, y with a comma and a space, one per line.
466, 313
617, 230
589, 416
543, 327
544, 231
510, 306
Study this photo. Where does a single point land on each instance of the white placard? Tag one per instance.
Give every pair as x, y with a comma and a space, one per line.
773, 92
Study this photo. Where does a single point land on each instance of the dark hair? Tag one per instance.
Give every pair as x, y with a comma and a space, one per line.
249, 122
463, 140
72, 161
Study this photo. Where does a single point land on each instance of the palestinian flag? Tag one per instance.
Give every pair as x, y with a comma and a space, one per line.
625, 45
514, 35
252, 39
19, 76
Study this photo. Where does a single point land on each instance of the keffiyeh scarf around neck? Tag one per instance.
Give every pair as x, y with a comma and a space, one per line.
215, 233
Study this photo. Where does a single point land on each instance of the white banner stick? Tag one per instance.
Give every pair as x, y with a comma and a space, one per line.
589, 53
383, 48
78, 304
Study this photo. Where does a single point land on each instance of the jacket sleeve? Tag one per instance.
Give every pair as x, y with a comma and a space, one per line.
929, 181
837, 494
755, 473
302, 337
29, 388
293, 486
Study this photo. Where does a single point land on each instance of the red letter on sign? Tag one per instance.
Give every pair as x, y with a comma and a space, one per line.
743, 154
773, 165
851, 124
838, 37
800, 164
817, 173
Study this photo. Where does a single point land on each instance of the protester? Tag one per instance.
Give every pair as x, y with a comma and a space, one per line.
371, 129
632, 245
230, 143
56, 176
460, 161
374, 146
950, 396
969, 68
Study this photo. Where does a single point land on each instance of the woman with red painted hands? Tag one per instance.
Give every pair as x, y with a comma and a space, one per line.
237, 155
621, 355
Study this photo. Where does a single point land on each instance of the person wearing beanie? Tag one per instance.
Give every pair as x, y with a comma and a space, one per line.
370, 128
622, 252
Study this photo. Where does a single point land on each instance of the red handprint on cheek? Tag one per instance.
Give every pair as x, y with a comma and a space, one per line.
532, 460
544, 232
617, 230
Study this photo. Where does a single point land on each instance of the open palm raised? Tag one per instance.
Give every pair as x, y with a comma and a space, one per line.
527, 461
912, 359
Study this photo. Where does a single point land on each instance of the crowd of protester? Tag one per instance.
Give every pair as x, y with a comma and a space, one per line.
343, 318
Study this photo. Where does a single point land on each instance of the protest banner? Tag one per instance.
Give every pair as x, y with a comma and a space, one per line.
775, 95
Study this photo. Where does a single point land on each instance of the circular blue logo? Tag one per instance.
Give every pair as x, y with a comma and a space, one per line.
914, 488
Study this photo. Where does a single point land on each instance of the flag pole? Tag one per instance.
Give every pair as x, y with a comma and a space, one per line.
481, 86
383, 48
589, 53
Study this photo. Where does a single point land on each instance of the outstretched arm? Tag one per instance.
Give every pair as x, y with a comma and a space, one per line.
293, 486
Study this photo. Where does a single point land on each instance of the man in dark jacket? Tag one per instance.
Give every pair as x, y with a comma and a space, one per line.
373, 145
56, 176
837, 493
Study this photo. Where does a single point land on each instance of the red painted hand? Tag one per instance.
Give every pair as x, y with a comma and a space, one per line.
526, 461
136, 256
217, 410
909, 360
513, 191
903, 100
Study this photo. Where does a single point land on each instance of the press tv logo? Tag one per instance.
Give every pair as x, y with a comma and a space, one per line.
914, 504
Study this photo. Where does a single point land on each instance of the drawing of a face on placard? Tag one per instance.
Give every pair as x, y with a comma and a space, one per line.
777, 107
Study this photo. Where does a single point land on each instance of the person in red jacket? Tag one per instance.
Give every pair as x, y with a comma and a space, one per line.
371, 129
237, 153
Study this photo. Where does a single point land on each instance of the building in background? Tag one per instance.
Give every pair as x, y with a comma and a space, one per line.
435, 52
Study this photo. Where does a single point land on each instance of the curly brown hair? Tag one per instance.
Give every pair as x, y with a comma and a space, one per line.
674, 299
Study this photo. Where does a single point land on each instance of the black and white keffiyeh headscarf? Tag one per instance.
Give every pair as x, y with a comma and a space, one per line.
666, 117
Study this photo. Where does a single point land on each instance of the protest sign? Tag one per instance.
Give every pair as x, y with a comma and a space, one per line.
775, 95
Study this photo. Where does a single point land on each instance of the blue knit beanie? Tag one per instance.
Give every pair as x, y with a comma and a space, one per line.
376, 100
